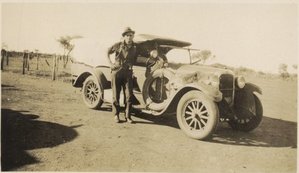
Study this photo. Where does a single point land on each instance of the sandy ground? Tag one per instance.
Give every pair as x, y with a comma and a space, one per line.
46, 127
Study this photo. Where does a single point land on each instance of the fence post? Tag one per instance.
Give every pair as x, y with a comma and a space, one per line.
27, 61
57, 63
6, 54
37, 59
54, 67
24, 62
2, 58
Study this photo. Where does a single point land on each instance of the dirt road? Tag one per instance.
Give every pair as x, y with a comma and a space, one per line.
46, 127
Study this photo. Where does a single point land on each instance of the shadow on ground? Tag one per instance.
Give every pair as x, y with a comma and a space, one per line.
271, 133
168, 120
21, 131
8, 87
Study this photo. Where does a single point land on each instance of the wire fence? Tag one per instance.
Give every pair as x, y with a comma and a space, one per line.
46, 66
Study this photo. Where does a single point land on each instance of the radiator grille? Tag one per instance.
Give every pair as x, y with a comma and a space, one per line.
226, 85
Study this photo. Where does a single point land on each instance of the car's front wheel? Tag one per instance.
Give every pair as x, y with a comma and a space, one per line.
92, 93
197, 115
248, 121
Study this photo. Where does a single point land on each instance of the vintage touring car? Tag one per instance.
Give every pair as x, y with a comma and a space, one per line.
199, 95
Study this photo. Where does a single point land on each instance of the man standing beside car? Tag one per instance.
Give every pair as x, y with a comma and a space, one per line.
126, 53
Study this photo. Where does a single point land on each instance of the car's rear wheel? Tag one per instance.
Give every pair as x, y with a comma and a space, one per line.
248, 122
92, 93
197, 115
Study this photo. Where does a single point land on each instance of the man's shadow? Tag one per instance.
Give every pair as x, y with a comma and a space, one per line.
21, 131
168, 120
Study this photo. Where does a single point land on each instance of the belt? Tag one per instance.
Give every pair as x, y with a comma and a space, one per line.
123, 68
127, 66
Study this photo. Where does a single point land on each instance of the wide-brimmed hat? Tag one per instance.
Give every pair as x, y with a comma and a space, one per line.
128, 30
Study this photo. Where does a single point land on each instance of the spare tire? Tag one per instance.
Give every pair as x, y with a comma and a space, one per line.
155, 89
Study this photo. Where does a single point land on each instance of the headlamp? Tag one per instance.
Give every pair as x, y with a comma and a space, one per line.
154, 53
240, 81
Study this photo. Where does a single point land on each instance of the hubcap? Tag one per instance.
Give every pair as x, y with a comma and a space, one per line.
92, 92
196, 115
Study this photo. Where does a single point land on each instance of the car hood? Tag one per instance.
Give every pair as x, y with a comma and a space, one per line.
151, 42
205, 77
201, 69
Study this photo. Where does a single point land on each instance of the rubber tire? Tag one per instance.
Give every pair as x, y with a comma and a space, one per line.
145, 91
98, 103
251, 125
213, 114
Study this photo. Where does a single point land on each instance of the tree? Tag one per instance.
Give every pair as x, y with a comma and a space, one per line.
283, 71
295, 66
202, 56
65, 42
4, 45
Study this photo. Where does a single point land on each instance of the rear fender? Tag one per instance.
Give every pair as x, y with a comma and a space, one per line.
78, 82
97, 73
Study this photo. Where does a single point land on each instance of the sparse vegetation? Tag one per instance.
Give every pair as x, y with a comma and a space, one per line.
295, 66
283, 71
244, 71
65, 42
45, 62
202, 56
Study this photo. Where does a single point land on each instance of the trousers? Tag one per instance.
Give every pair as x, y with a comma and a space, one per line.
122, 79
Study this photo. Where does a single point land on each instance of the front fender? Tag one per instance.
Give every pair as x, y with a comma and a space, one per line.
244, 101
211, 92
252, 88
171, 103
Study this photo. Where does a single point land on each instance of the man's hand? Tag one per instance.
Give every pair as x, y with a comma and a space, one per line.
114, 66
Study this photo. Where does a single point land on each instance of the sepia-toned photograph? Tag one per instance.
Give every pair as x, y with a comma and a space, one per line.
149, 86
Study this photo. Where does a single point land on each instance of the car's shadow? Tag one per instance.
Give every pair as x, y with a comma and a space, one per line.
270, 133
21, 131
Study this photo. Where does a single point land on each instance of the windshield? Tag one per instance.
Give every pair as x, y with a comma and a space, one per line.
178, 56
182, 56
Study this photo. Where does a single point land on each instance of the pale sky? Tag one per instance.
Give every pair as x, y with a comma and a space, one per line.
254, 35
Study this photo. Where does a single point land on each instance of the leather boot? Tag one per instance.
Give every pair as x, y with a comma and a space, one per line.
129, 119
116, 118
